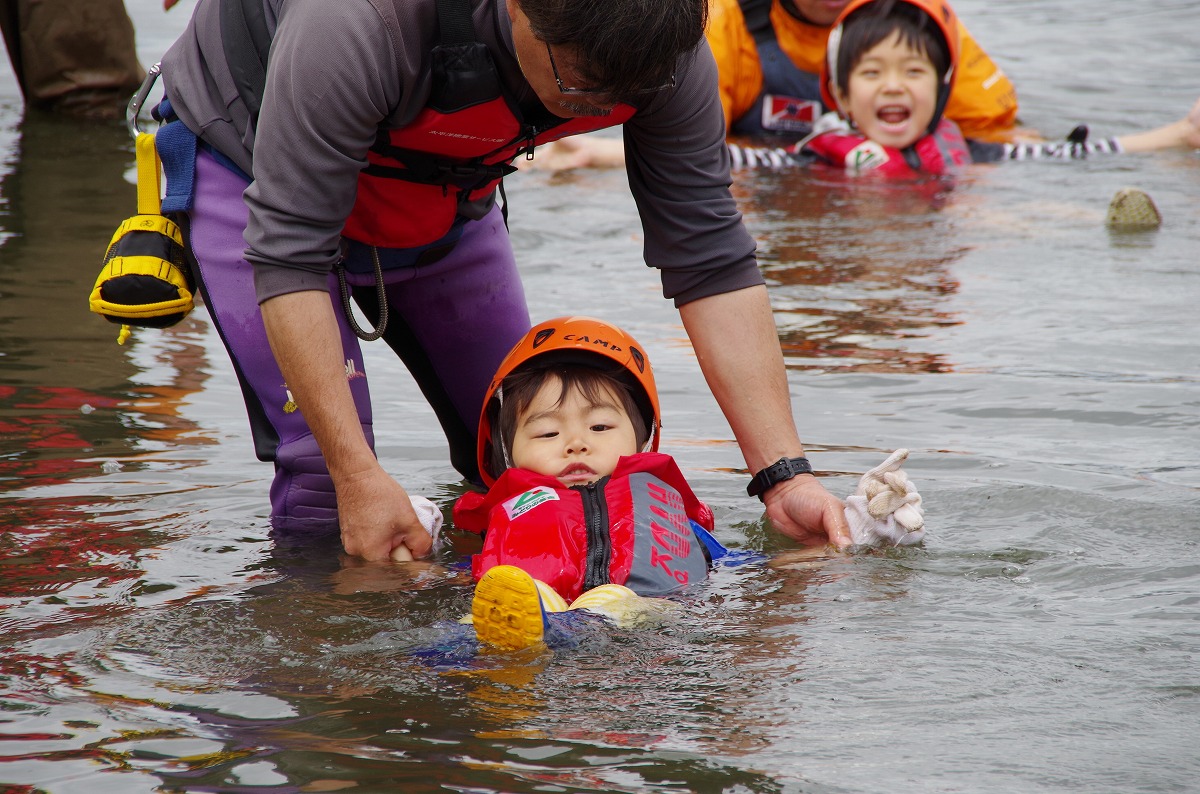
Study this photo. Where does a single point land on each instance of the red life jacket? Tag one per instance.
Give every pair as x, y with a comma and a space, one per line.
418, 177
936, 153
631, 528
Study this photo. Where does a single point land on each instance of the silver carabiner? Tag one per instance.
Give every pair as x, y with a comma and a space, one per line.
135, 104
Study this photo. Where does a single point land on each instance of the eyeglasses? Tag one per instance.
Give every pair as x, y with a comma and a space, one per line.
566, 89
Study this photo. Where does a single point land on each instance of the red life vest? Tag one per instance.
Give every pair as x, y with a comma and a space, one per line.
418, 176
938, 152
632, 528
453, 154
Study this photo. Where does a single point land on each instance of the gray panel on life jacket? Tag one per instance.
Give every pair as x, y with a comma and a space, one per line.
667, 555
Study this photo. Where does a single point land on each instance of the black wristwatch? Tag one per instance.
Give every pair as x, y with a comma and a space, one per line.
780, 470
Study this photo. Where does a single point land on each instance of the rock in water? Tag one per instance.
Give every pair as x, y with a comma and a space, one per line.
1132, 208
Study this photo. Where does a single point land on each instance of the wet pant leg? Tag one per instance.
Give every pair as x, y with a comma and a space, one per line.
452, 323
73, 57
302, 495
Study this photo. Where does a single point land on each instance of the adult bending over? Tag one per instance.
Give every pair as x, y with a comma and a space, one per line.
360, 161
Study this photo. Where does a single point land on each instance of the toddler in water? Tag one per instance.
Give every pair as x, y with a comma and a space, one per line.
888, 70
580, 508
582, 512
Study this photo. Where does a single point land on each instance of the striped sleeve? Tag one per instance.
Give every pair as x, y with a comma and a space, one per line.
762, 157
1060, 150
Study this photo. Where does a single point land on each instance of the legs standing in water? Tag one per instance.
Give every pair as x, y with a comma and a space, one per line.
71, 57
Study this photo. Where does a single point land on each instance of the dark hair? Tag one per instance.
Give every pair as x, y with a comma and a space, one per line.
876, 22
622, 46
520, 387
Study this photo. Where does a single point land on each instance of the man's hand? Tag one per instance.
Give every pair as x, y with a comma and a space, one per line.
803, 510
377, 517
375, 513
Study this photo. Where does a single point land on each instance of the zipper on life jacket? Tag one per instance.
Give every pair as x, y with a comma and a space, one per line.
525, 146
599, 543
529, 132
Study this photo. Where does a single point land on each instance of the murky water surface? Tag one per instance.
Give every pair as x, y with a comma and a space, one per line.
1042, 370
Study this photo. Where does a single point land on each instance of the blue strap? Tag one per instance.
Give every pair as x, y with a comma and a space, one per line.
177, 149
715, 549
721, 554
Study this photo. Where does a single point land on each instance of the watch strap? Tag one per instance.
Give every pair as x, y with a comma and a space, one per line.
777, 472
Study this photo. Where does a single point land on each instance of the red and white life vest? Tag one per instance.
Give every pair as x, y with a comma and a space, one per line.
632, 528
936, 153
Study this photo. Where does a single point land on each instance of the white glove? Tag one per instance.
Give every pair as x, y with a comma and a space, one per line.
430, 517
886, 508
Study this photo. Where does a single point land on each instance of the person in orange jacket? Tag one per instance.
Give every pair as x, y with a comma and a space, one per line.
769, 55
769, 65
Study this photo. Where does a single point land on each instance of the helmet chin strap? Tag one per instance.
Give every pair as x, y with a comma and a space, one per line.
943, 98
832, 46
508, 463
649, 445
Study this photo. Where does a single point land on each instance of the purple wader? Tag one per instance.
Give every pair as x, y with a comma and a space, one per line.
451, 322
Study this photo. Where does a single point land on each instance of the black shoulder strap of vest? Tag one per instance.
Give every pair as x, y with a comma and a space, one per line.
454, 20
463, 71
758, 19
246, 42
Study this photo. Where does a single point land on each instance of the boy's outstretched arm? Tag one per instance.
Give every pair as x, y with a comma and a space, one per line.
1184, 133
737, 345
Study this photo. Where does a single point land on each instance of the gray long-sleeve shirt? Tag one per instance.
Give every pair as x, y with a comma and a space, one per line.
340, 72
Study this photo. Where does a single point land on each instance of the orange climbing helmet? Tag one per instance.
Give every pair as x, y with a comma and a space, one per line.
942, 15
572, 340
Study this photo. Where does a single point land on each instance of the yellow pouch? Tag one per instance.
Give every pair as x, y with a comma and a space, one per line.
145, 279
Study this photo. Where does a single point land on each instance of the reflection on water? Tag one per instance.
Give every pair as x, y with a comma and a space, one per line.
860, 269
153, 637
64, 195
78, 414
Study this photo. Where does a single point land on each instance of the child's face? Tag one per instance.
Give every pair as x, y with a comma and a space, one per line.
576, 441
891, 93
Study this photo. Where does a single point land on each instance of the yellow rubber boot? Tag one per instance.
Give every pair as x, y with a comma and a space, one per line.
625, 608
615, 602
551, 600
507, 609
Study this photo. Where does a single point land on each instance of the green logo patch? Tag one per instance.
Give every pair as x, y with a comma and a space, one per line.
523, 503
